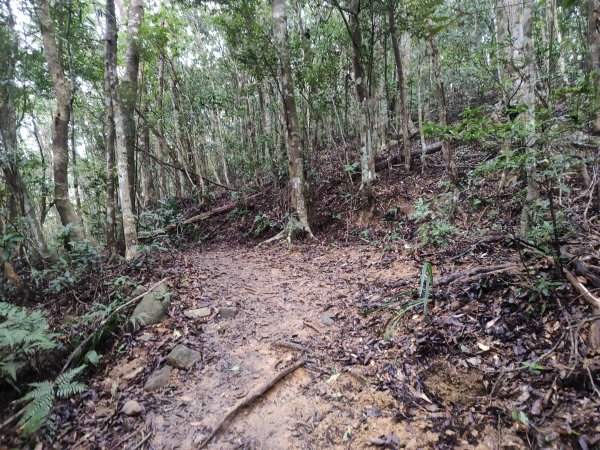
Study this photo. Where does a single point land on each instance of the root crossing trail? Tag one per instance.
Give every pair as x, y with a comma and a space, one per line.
275, 308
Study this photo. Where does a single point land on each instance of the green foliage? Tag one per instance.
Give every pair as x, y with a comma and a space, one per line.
261, 223
42, 396
73, 266
23, 333
434, 228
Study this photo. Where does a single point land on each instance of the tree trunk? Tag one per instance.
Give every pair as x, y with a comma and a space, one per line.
162, 154
60, 124
128, 90
515, 38
126, 95
404, 110
296, 162
447, 150
367, 155
146, 166
594, 53
110, 61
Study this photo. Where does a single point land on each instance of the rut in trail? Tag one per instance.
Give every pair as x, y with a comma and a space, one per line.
281, 306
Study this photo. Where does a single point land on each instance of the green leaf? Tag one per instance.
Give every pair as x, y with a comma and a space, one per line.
520, 416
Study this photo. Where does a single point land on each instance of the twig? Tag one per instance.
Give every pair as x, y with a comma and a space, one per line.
107, 319
249, 399
143, 441
592, 300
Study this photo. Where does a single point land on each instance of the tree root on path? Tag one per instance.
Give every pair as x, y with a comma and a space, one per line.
250, 398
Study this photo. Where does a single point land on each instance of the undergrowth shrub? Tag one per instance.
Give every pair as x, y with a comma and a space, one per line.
41, 399
23, 333
434, 227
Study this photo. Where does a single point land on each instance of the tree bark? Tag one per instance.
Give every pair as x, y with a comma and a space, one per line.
367, 154
124, 96
110, 61
296, 162
594, 53
162, 179
404, 110
128, 90
60, 124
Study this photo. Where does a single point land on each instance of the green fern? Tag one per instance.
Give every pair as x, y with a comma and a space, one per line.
42, 397
23, 332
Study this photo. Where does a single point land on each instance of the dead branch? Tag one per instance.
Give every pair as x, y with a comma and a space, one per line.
250, 398
213, 212
593, 342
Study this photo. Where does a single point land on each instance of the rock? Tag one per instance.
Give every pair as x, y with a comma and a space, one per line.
199, 313
183, 357
132, 408
226, 312
153, 307
327, 318
159, 379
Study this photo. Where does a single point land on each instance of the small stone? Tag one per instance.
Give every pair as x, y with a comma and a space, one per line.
226, 312
159, 379
199, 313
132, 408
153, 307
327, 318
183, 357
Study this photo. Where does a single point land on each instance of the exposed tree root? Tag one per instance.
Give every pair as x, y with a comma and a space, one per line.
249, 399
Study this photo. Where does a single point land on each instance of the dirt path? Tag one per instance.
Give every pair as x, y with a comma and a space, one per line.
295, 298
351, 391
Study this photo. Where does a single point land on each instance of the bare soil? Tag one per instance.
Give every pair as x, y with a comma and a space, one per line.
303, 303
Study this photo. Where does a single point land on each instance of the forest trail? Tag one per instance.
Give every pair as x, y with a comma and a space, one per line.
301, 298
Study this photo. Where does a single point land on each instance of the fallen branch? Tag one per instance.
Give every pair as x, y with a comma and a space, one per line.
593, 342
77, 352
429, 149
250, 398
213, 212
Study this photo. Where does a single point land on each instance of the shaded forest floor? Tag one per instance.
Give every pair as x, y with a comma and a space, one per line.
498, 361
355, 389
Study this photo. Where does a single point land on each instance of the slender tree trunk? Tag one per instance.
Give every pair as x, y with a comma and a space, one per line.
594, 53
296, 161
128, 91
367, 154
404, 110
110, 61
126, 94
60, 124
146, 166
515, 38
162, 153
447, 149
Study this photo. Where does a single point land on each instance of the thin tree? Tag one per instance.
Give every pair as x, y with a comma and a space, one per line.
296, 162
594, 53
124, 95
60, 123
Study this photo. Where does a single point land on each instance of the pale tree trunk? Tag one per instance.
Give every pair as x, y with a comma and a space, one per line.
265, 127
60, 124
404, 110
162, 153
110, 60
146, 166
296, 162
515, 35
181, 146
367, 154
406, 52
447, 150
127, 93
594, 53
128, 90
